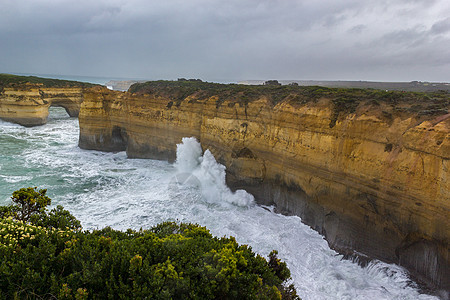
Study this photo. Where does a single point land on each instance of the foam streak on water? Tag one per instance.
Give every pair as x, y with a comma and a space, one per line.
107, 189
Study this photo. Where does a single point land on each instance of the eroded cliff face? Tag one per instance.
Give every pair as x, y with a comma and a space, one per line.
27, 104
375, 180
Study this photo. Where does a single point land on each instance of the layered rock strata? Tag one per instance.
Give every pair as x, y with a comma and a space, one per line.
27, 104
373, 180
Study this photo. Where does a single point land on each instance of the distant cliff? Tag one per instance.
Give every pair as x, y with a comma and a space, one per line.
412, 86
25, 99
368, 169
121, 85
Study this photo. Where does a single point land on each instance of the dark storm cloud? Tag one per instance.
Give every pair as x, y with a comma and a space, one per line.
443, 26
329, 39
357, 29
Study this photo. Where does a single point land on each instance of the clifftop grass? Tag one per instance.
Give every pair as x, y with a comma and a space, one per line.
345, 100
15, 80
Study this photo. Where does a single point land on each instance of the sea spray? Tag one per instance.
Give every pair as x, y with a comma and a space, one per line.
108, 189
210, 174
189, 155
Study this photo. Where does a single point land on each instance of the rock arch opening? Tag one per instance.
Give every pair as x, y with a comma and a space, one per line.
57, 112
72, 109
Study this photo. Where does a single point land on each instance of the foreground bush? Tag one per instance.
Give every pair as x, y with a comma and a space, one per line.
48, 256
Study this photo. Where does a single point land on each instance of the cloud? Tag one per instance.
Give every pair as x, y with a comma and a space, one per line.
357, 29
234, 40
442, 26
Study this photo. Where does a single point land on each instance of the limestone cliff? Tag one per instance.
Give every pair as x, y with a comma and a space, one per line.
25, 99
367, 169
372, 175
29, 106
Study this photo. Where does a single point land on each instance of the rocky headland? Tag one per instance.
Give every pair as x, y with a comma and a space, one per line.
122, 85
25, 99
368, 169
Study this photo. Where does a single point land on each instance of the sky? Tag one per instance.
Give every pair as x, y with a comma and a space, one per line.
228, 40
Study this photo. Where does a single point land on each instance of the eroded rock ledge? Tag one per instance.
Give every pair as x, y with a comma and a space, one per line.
25, 99
368, 169
370, 172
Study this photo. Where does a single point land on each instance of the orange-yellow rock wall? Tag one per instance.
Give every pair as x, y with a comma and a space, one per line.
370, 183
28, 104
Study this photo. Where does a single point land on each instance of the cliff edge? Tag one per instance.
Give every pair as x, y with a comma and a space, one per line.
25, 99
368, 169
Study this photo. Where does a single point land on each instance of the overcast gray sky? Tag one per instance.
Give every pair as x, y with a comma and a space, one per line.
382, 40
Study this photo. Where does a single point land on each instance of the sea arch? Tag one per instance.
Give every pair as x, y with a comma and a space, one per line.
29, 107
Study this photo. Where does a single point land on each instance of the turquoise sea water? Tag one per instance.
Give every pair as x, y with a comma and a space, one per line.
108, 189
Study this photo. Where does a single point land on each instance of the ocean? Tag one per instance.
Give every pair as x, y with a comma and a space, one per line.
108, 189
92, 79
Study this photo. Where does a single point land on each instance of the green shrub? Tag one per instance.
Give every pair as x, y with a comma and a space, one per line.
11, 80
48, 257
345, 100
29, 202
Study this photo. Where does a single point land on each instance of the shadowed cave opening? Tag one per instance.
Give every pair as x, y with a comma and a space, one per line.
119, 138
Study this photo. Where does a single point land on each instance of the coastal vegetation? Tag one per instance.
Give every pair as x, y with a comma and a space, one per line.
16, 80
345, 100
46, 255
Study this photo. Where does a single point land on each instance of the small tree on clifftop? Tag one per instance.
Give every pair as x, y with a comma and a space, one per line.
272, 82
30, 201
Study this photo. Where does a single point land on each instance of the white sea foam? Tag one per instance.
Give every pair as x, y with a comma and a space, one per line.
210, 173
107, 189
189, 155
14, 179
